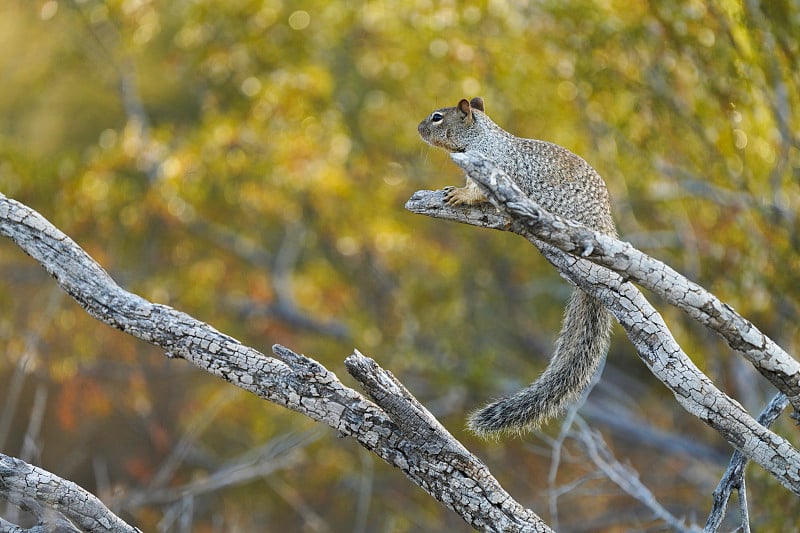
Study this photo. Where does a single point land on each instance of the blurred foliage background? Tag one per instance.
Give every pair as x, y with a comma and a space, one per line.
247, 162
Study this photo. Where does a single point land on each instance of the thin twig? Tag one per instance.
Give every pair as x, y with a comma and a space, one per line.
626, 478
733, 479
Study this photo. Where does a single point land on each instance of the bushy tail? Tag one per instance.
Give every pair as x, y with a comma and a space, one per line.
580, 347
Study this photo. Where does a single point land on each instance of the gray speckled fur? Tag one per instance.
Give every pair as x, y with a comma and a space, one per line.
567, 186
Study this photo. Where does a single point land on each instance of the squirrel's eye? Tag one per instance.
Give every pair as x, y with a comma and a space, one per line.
436, 117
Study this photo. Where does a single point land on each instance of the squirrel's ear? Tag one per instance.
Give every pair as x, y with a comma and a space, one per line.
466, 111
477, 103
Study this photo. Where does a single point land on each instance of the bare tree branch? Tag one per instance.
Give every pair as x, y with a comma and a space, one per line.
279, 266
626, 477
27, 358
458, 468
400, 431
557, 239
180, 450
311, 520
8, 527
557, 445
533, 222
734, 475
277, 454
30, 446
150, 156
624, 425
54, 499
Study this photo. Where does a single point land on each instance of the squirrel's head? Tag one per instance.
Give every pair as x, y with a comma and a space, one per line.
452, 128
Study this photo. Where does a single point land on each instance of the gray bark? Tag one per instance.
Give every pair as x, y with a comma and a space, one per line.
59, 504
559, 239
395, 426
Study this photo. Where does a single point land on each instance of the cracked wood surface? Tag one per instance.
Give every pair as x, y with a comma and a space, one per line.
602, 266
31, 487
772, 361
396, 427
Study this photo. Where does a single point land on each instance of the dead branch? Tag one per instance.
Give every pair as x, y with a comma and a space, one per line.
578, 254
398, 429
59, 504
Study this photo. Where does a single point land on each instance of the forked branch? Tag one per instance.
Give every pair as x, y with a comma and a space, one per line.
578, 254
396, 427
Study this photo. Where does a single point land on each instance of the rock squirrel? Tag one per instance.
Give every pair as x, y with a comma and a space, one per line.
565, 185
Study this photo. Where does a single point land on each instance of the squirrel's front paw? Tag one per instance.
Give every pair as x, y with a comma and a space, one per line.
454, 196
451, 195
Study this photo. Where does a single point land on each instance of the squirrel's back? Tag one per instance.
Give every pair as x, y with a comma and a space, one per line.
557, 179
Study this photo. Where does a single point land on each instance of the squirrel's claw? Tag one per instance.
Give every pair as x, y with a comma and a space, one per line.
454, 196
